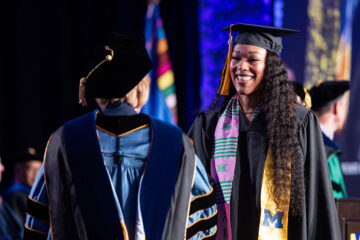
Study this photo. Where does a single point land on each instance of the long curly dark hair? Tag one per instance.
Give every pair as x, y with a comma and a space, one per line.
281, 130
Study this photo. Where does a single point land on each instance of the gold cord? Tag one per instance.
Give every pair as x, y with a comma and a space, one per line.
83, 80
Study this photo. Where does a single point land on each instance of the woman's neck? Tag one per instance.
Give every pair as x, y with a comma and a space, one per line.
250, 102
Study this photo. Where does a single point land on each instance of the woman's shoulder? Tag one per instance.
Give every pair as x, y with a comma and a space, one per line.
206, 118
205, 122
212, 112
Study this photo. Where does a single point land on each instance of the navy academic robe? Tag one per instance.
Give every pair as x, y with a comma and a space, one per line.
80, 200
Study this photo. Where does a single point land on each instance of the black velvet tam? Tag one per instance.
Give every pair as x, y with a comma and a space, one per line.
129, 65
24, 155
262, 36
326, 92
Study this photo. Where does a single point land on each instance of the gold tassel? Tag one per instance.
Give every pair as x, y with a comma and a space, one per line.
82, 98
307, 99
225, 82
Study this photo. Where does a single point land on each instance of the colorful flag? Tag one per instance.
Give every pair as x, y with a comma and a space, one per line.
343, 57
162, 101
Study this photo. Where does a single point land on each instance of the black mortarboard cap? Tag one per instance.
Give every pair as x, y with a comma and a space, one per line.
116, 76
326, 92
265, 37
262, 36
24, 155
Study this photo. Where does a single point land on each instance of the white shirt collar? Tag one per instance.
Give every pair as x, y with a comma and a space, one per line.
327, 132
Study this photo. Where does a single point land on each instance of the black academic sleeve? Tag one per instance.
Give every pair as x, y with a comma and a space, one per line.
65, 218
178, 213
202, 133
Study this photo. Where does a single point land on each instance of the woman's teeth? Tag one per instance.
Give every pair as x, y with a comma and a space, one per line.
244, 78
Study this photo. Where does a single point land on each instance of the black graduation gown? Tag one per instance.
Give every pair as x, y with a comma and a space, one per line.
319, 219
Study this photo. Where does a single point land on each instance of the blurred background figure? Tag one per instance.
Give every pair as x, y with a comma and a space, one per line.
10, 226
27, 163
330, 104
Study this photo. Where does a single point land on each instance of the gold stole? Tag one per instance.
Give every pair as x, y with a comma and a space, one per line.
273, 220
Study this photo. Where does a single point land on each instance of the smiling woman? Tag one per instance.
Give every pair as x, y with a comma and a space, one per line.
264, 152
247, 67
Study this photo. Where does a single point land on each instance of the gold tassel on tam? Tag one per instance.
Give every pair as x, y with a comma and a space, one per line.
83, 80
82, 98
307, 99
225, 76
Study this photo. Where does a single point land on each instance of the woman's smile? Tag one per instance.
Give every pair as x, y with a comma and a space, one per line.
244, 78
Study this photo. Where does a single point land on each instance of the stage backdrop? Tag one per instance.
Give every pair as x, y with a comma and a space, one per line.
213, 16
349, 141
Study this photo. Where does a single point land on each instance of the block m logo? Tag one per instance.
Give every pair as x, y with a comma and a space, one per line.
355, 236
269, 219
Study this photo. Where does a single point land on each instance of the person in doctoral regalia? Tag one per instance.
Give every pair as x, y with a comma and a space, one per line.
330, 105
118, 174
264, 151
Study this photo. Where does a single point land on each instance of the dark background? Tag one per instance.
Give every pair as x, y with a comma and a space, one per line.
44, 44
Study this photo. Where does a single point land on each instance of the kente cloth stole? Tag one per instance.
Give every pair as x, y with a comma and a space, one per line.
273, 220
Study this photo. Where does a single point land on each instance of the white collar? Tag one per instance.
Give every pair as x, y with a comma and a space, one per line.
327, 132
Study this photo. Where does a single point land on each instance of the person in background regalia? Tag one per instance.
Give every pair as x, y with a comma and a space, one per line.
330, 105
10, 225
264, 151
118, 174
27, 164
